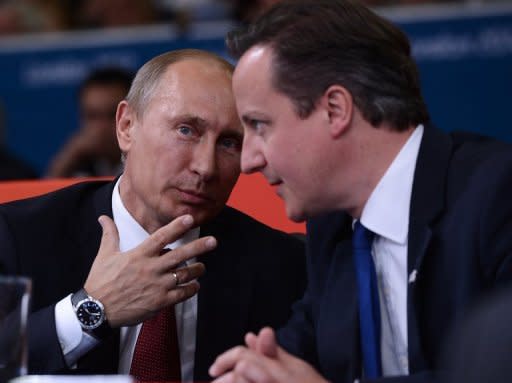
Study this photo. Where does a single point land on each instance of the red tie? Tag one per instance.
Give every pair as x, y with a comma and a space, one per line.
156, 356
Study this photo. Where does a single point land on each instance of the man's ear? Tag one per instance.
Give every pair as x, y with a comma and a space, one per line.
125, 119
339, 104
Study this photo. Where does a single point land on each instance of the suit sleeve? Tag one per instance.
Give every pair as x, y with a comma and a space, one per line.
298, 336
44, 352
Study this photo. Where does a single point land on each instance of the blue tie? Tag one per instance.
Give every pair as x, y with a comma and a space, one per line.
368, 294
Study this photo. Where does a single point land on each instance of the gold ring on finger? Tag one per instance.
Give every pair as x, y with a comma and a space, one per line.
176, 280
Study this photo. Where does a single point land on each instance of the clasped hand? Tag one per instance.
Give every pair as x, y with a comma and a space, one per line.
136, 284
262, 361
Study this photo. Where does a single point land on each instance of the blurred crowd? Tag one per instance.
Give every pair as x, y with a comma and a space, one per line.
25, 16
82, 154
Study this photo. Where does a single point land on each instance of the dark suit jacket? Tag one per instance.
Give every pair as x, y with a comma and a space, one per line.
459, 244
252, 277
480, 349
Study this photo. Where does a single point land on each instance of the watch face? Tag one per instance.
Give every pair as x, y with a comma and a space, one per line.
90, 314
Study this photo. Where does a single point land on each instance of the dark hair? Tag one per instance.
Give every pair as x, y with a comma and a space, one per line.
108, 76
318, 43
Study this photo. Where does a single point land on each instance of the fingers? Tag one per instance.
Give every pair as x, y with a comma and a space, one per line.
244, 365
227, 361
139, 282
254, 369
110, 237
186, 274
174, 258
231, 377
182, 292
251, 340
167, 234
266, 343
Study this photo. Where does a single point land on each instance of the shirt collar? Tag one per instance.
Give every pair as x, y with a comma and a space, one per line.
131, 233
386, 212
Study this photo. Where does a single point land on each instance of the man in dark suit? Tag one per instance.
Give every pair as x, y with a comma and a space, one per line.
99, 299
408, 225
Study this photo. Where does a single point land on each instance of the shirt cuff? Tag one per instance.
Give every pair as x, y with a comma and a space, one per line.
73, 342
69, 330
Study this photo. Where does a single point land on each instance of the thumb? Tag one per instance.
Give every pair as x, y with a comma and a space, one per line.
267, 344
110, 238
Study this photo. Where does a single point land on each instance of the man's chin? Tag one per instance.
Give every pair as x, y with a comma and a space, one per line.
295, 215
202, 216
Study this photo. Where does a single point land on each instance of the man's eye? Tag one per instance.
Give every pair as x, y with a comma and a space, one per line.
185, 130
230, 143
257, 125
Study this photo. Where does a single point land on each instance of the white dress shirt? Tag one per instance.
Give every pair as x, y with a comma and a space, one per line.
386, 213
75, 343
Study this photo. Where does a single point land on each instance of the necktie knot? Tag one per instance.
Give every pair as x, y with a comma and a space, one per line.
363, 237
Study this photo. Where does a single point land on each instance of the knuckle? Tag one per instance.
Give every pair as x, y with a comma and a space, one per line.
179, 293
198, 269
242, 366
183, 274
160, 238
161, 300
145, 272
178, 252
239, 352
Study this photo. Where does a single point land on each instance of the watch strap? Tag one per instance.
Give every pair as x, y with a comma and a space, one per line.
80, 295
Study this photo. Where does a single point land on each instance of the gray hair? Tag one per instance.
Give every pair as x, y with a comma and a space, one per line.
147, 77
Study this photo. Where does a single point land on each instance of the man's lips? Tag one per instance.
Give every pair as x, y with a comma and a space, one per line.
274, 183
194, 197
276, 186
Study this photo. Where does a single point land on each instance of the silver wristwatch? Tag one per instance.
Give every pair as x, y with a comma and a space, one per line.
91, 314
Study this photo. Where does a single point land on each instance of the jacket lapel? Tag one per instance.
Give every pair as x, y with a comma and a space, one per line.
427, 202
222, 312
338, 314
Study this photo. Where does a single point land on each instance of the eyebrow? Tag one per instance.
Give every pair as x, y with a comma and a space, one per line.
192, 120
251, 116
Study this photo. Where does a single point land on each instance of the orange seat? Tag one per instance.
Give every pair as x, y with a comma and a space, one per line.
252, 195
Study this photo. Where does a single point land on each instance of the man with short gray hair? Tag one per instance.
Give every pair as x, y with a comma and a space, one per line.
117, 299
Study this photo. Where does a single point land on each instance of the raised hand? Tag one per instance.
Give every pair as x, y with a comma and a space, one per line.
136, 284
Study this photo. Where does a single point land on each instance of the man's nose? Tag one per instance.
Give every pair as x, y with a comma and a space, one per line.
204, 161
252, 158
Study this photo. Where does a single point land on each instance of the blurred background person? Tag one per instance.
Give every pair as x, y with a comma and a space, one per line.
93, 149
25, 16
114, 13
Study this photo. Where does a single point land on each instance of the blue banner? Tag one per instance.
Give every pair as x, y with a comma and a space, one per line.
464, 56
